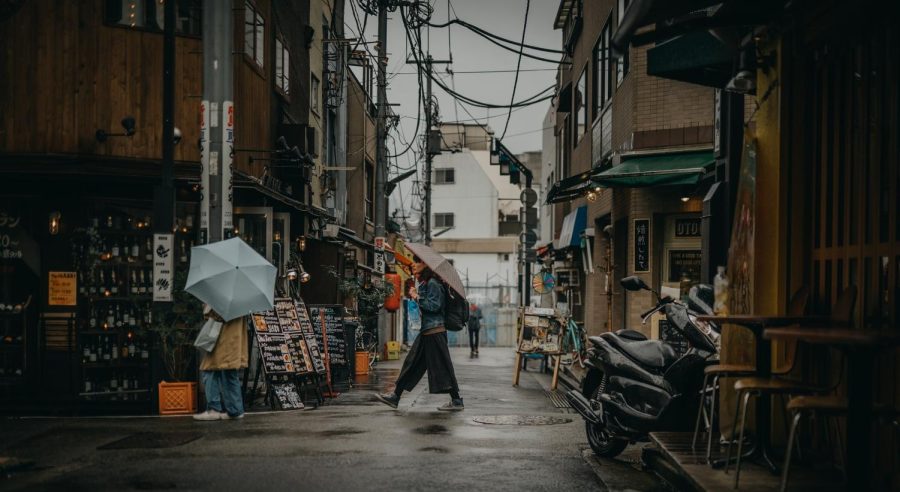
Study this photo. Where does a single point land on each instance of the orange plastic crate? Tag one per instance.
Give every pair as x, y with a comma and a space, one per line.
177, 398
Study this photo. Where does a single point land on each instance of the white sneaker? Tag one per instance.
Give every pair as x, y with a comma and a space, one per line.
211, 415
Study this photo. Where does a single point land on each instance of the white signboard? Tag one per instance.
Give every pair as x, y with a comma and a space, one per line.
379, 261
163, 270
205, 169
227, 151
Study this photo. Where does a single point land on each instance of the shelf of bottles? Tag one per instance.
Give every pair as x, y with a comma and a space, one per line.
12, 341
115, 287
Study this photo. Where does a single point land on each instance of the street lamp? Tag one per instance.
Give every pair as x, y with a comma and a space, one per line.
128, 125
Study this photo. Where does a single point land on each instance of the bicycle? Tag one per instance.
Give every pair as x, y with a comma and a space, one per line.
574, 342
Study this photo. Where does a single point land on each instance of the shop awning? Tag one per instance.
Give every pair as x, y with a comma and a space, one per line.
244, 180
696, 57
573, 226
569, 188
656, 170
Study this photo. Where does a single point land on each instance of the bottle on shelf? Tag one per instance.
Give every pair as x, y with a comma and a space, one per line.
119, 318
113, 282
92, 321
145, 351
135, 249
93, 357
109, 222
142, 283
131, 349
110, 318
92, 287
82, 288
86, 353
132, 283
88, 386
148, 250
115, 249
114, 349
183, 257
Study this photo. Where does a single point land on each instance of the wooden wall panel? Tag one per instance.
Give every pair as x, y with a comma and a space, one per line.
72, 74
252, 91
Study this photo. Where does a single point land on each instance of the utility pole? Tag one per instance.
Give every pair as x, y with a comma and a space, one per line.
217, 121
380, 124
432, 142
165, 194
428, 157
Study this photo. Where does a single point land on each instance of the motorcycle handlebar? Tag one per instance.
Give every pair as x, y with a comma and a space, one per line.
662, 303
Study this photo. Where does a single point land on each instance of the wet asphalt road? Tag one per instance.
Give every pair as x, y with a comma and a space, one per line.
353, 443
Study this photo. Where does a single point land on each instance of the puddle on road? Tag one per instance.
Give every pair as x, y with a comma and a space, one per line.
435, 449
434, 429
345, 431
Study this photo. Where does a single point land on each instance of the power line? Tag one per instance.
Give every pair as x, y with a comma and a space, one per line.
518, 66
490, 35
486, 71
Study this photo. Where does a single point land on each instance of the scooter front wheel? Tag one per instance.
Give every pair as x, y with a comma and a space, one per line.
602, 443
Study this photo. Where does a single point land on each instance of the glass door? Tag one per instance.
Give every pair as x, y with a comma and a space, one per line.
254, 226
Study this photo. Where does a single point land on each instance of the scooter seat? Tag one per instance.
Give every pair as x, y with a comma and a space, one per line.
652, 353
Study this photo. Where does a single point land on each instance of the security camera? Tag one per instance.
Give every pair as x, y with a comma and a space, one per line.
176, 135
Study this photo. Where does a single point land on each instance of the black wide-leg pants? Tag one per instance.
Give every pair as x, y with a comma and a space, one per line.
429, 353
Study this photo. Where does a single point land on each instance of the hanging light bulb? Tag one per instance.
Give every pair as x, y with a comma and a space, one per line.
591, 197
685, 199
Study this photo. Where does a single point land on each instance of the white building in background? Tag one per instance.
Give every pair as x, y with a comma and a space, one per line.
548, 157
475, 213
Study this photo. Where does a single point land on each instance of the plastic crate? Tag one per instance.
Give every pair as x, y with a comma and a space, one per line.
177, 398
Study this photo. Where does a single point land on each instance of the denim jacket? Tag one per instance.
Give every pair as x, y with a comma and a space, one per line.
431, 304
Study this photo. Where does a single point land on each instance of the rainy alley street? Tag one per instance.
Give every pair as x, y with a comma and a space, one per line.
351, 443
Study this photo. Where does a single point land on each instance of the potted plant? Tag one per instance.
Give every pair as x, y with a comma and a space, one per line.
175, 327
367, 298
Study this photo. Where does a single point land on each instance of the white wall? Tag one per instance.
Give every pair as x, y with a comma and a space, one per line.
548, 156
472, 198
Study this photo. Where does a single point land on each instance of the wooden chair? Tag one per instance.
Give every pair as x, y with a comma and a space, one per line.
826, 406
712, 374
755, 386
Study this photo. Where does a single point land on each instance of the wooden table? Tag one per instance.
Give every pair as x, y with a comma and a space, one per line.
554, 382
861, 348
758, 324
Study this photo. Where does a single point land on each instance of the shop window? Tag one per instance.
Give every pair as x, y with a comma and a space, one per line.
444, 220
254, 35
282, 67
602, 72
150, 15
445, 176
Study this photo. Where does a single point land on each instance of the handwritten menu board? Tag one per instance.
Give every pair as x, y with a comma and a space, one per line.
309, 335
286, 340
273, 345
287, 395
334, 331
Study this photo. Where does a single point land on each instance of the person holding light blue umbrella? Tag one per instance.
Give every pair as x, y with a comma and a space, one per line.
233, 280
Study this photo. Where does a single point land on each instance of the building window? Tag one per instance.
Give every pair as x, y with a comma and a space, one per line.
602, 73
254, 34
443, 220
622, 64
445, 176
150, 15
370, 191
314, 93
282, 67
581, 106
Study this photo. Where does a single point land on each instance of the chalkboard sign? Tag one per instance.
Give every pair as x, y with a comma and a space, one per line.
287, 395
273, 346
684, 263
331, 316
284, 344
673, 337
642, 245
309, 335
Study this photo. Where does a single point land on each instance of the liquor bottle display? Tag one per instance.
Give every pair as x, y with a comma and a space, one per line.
115, 287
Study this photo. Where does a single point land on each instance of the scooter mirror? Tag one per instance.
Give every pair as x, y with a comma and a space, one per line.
634, 283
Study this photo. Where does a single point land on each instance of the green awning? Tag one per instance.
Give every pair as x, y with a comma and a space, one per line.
696, 57
656, 170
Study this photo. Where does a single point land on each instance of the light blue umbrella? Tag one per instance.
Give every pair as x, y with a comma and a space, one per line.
232, 278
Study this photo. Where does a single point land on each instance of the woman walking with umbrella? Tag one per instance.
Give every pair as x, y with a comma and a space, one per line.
429, 353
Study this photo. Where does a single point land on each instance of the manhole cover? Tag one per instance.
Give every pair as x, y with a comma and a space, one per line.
150, 440
521, 420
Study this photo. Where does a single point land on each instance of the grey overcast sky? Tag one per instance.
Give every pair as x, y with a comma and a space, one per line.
471, 53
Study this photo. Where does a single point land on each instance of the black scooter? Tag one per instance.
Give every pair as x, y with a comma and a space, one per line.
636, 386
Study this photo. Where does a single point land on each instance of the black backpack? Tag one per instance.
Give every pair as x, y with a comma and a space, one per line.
456, 310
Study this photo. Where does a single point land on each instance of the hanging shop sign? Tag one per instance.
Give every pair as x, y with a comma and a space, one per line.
163, 270
641, 245
62, 289
205, 169
227, 178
